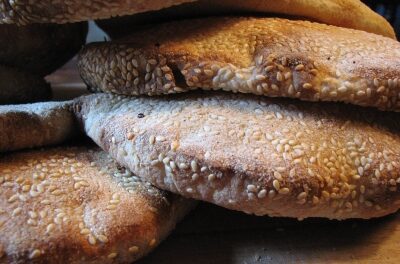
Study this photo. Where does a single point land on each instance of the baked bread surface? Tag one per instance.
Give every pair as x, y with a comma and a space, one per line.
76, 205
264, 56
257, 155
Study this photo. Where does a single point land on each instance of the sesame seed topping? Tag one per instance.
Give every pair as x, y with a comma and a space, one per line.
134, 249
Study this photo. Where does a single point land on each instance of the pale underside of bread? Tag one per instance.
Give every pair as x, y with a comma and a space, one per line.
40, 49
76, 205
264, 56
24, 12
254, 154
344, 13
35, 125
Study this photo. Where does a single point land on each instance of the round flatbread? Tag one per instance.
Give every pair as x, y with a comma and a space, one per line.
261, 156
17, 87
349, 13
264, 56
36, 125
40, 49
49, 11
76, 205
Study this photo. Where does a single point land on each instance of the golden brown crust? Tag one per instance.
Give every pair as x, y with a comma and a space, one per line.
24, 12
264, 56
344, 13
76, 205
35, 125
17, 87
40, 49
254, 154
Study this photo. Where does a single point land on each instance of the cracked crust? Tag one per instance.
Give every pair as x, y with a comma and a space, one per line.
264, 56
24, 12
18, 87
76, 205
253, 154
343, 13
35, 125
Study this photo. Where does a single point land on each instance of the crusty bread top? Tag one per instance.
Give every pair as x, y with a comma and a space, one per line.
35, 125
76, 205
264, 56
24, 12
254, 154
344, 13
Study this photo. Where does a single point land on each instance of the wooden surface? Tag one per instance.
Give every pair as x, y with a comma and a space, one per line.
215, 235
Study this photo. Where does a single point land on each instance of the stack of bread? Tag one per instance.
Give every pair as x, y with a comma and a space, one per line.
277, 108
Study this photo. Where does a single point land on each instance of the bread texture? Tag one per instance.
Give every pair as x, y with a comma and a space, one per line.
36, 125
253, 154
264, 56
24, 12
76, 205
17, 87
40, 49
344, 13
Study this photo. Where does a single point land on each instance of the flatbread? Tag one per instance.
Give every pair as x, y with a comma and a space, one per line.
343, 13
253, 154
40, 49
263, 56
24, 12
36, 125
76, 205
17, 87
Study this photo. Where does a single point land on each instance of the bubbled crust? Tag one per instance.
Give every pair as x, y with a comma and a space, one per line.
264, 56
35, 125
344, 13
253, 154
40, 49
76, 205
24, 12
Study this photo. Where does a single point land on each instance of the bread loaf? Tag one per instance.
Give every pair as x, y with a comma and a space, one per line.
40, 49
24, 12
264, 56
343, 13
253, 154
36, 125
17, 87
76, 205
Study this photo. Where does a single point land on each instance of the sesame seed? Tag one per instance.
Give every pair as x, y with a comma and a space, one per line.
16, 211
262, 194
195, 176
251, 188
112, 255
211, 177
50, 228
35, 254
284, 190
276, 185
194, 166
153, 242
91, 240
102, 238
301, 195
134, 249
